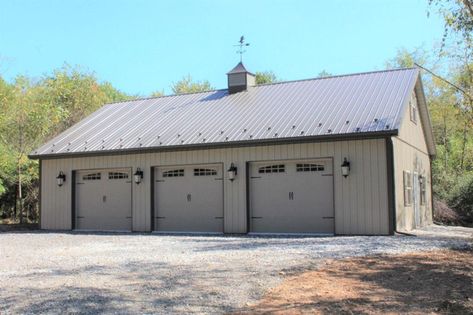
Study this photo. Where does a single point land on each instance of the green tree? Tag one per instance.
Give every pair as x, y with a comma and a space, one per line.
32, 112
323, 74
407, 59
112, 94
458, 17
2, 188
157, 93
26, 121
76, 93
265, 77
188, 85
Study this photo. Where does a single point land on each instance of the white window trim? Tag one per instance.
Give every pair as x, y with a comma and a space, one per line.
205, 172
408, 191
272, 169
413, 112
423, 190
310, 167
173, 173
92, 176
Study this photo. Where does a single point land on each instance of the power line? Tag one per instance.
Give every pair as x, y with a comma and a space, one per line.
446, 81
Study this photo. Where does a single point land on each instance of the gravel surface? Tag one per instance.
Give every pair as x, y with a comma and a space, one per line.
147, 273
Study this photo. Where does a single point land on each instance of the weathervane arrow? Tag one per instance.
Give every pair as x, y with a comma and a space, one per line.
241, 44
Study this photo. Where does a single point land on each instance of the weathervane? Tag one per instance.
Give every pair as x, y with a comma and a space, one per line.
240, 46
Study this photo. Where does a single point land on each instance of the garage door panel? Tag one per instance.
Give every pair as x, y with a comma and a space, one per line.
103, 200
117, 205
292, 196
185, 222
88, 198
171, 191
273, 196
190, 200
315, 191
269, 185
287, 224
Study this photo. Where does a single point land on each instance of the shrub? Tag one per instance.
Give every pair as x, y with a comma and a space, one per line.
444, 214
461, 198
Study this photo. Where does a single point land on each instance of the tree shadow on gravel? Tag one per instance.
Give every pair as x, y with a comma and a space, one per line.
327, 245
66, 300
133, 287
182, 288
58, 272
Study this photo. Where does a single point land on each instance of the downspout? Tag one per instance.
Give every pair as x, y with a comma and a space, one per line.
431, 189
40, 193
391, 186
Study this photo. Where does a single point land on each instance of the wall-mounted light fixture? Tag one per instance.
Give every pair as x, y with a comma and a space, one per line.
60, 178
232, 172
345, 168
138, 176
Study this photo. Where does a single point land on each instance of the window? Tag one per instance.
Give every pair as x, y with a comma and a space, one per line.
174, 173
310, 167
204, 172
407, 188
413, 108
277, 168
423, 189
93, 176
117, 175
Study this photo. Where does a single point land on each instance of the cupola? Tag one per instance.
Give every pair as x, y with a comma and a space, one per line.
240, 79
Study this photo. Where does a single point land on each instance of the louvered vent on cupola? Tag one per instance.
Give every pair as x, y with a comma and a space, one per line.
240, 79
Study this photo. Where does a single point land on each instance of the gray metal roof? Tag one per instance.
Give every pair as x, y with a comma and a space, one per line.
343, 105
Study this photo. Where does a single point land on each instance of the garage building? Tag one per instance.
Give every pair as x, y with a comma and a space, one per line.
348, 154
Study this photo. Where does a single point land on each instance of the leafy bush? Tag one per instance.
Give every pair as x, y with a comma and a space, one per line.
444, 214
2, 188
461, 198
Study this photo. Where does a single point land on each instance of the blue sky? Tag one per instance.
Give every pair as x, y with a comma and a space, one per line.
143, 46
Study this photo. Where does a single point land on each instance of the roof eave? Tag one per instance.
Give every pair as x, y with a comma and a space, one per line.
319, 138
425, 116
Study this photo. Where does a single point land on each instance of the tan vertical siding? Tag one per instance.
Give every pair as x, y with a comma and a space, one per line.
412, 132
361, 205
408, 158
411, 154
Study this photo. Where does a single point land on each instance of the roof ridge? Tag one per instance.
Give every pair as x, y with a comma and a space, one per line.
339, 75
267, 84
162, 96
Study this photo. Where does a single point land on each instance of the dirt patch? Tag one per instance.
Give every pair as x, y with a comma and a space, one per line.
431, 282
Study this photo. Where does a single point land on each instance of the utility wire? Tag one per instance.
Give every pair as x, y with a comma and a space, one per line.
446, 81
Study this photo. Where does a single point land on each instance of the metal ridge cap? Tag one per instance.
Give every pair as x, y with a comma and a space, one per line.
340, 76
266, 84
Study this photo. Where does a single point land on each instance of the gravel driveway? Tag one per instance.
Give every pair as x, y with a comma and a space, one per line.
148, 273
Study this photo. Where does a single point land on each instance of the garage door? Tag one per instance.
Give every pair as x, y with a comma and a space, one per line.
103, 200
189, 198
291, 197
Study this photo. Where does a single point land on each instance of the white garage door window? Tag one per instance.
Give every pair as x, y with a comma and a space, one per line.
189, 198
103, 200
291, 197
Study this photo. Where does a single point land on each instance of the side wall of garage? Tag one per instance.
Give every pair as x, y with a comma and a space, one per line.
411, 158
361, 199
408, 158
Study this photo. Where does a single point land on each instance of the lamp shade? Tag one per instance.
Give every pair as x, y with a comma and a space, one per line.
138, 176
232, 172
60, 179
345, 168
